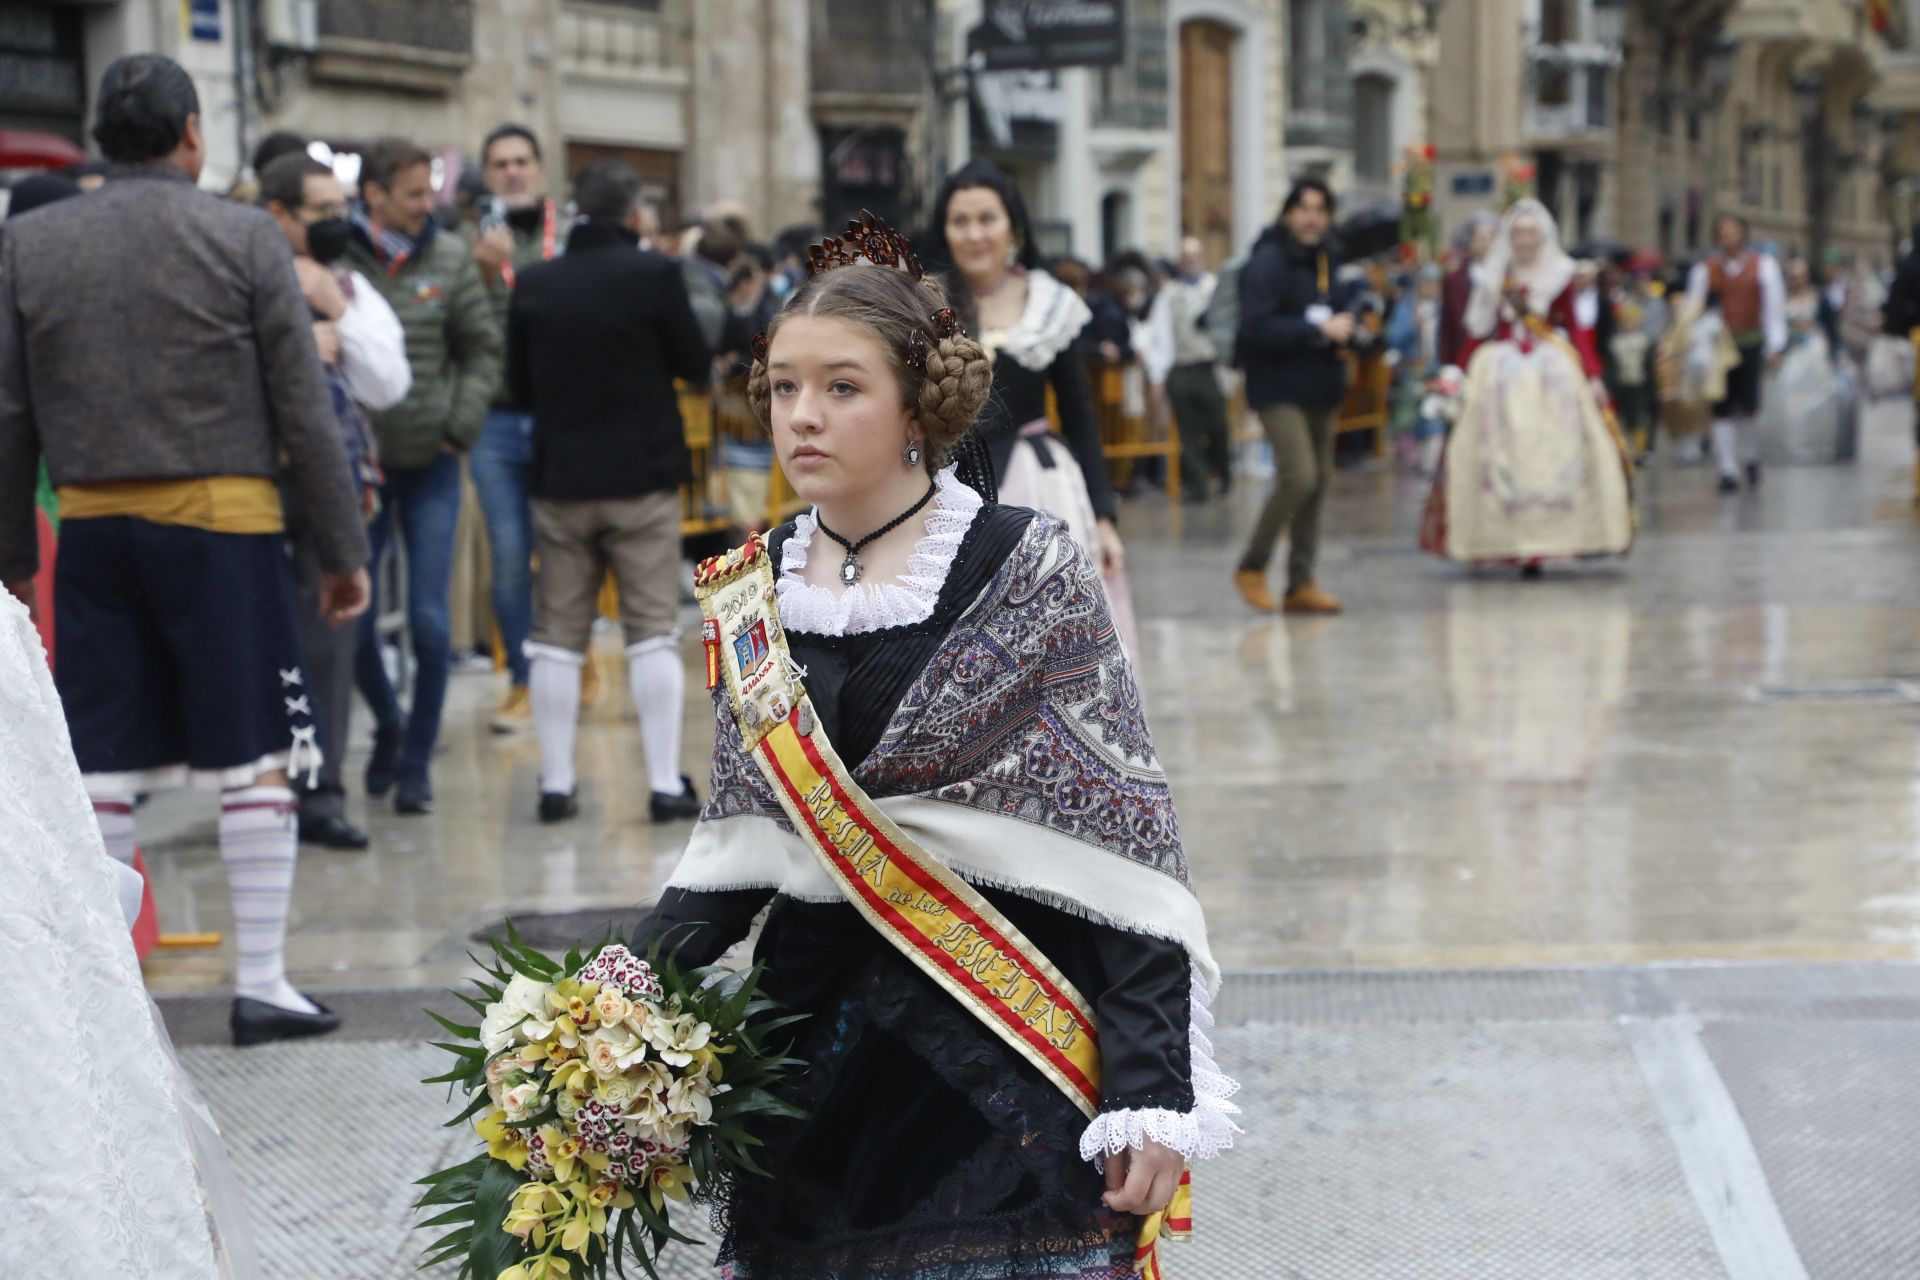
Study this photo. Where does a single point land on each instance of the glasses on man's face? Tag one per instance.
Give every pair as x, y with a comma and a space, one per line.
322, 212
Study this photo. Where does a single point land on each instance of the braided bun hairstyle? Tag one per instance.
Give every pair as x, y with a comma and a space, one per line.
900, 313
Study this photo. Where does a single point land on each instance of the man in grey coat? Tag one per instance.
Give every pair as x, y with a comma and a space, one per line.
155, 350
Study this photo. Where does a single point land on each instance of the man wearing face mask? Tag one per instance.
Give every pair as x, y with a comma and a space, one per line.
365, 354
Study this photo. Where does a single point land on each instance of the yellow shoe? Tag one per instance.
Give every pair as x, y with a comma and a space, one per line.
1310, 599
515, 713
1255, 591
591, 688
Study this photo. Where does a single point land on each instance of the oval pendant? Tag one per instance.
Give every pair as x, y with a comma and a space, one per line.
850, 571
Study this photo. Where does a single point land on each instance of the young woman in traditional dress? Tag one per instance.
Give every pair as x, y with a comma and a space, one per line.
959, 656
1028, 322
1534, 469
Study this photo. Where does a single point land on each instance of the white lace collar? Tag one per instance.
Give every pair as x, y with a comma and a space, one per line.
875, 606
1053, 318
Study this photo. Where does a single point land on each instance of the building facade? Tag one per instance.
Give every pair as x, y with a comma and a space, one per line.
1183, 133
1802, 117
1535, 81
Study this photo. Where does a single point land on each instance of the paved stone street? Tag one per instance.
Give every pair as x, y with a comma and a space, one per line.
1572, 924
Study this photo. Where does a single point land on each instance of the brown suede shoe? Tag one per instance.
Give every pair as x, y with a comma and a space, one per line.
1310, 599
1255, 591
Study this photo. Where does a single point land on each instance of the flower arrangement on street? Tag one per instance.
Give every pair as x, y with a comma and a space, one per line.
606, 1090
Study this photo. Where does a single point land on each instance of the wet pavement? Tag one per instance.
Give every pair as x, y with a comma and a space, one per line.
1707, 751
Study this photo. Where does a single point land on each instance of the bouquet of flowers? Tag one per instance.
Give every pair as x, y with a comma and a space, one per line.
605, 1089
1444, 392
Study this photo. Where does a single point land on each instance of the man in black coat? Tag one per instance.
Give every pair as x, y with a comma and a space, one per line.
1900, 315
1296, 316
595, 340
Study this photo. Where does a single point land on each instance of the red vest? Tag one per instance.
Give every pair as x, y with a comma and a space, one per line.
1739, 295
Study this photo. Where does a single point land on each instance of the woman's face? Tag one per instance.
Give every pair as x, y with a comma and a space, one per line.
980, 232
1526, 239
838, 423
1799, 275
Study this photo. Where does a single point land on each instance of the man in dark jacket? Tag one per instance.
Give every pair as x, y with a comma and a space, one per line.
155, 348
453, 347
1295, 318
1900, 317
595, 340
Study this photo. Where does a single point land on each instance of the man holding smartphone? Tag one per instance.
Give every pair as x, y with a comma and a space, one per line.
1296, 318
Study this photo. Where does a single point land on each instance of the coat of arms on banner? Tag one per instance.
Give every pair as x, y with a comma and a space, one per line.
750, 647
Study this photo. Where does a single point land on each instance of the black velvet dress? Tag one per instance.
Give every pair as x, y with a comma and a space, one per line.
931, 1150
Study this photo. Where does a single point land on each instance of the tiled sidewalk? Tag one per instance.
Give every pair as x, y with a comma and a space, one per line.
1568, 1124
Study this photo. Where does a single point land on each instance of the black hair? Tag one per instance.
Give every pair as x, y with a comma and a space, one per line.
980, 175
387, 159
501, 133
285, 179
606, 191
762, 255
794, 240
145, 102
281, 142
39, 191
1299, 193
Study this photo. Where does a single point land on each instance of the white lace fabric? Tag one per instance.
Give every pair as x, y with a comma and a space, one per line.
1199, 1134
102, 1182
875, 606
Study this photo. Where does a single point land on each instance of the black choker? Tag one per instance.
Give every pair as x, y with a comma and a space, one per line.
850, 567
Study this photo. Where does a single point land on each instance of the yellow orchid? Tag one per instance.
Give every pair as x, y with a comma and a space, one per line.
573, 1076
503, 1143
669, 1182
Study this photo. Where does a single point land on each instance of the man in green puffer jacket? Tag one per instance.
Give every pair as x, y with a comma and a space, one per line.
454, 346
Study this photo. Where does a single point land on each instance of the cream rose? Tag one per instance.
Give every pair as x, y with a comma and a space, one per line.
521, 1101
611, 1007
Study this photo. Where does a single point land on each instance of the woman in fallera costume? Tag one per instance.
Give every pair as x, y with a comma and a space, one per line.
932, 763
1534, 469
1029, 324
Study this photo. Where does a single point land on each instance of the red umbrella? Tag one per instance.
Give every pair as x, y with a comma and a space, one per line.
22, 150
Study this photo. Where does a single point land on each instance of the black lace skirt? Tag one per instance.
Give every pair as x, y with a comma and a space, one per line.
931, 1150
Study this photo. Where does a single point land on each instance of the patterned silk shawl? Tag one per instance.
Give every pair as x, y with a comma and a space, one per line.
1020, 758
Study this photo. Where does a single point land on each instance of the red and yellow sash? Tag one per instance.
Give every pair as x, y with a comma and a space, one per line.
932, 916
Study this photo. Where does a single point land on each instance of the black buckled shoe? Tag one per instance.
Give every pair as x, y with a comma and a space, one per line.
257, 1022
331, 831
556, 806
1753, 475
384, 764
684, 807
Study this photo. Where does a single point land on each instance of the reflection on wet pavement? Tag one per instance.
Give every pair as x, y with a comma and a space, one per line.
1465, 769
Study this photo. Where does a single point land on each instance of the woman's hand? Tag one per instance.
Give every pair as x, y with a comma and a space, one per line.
1113, 556
1143, 1181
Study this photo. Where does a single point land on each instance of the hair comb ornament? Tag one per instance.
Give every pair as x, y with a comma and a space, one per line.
868, 239
946, 323
917, 352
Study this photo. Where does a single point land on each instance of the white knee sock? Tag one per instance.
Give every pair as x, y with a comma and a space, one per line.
1726, 446
258, 842
659, 685
115, 814
554, 683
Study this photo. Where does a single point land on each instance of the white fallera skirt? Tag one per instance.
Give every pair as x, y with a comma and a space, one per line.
1060, 490
122, 1172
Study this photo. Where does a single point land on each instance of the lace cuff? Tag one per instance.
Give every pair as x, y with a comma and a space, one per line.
1199, 1134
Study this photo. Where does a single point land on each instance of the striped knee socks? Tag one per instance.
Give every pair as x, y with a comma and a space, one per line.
259, 838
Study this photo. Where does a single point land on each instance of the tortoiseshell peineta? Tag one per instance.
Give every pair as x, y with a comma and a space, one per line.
869, 239
946, 323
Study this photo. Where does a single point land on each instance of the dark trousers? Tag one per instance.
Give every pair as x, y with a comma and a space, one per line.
426, 506
329, 655
1201, 410
1302, 440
